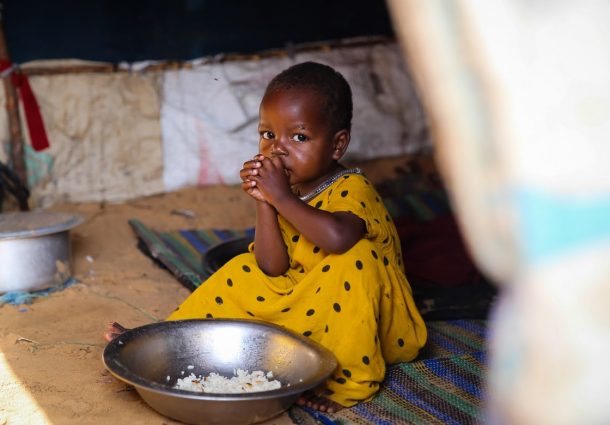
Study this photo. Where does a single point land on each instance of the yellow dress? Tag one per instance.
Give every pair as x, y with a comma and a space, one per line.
357, 304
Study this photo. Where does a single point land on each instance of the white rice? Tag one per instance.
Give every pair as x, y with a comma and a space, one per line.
242, 382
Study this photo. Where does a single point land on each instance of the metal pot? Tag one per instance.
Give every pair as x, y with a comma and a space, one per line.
35, 249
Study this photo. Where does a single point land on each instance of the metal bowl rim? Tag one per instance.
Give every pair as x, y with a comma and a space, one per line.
110, 352
63, 222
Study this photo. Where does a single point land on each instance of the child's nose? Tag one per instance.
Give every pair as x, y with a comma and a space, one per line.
277, 148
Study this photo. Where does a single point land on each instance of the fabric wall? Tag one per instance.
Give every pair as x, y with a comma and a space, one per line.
209, 114
105, 138
117, 136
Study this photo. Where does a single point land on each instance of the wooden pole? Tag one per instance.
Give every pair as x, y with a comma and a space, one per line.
14, 121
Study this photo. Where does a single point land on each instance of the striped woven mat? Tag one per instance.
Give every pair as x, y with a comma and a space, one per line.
443, 386
446, 390
181, 251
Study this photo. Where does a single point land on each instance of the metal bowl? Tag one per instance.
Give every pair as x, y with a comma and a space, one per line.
35, 249
215, 257
146, 356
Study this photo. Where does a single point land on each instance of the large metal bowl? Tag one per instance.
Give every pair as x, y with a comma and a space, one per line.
145, 356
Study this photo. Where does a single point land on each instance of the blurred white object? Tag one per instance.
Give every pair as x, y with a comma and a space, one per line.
519, 96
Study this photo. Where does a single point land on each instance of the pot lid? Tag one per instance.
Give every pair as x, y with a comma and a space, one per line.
28, 224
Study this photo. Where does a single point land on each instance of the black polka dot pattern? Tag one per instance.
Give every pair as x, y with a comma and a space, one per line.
313, 316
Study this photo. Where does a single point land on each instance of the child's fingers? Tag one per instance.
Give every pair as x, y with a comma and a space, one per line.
248, 184
250, 169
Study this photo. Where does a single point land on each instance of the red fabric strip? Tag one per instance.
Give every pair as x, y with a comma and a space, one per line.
33, 117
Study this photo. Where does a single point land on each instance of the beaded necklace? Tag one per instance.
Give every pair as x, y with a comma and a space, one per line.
325, 184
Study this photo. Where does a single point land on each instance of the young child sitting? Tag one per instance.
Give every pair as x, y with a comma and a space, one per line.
326, 258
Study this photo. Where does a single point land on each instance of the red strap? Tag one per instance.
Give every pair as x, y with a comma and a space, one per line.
33, 118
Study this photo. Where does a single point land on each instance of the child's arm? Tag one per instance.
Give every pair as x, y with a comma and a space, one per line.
269, 249
333, 232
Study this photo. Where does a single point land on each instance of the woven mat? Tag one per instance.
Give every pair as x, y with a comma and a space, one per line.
181, 251
446, 390
443, 386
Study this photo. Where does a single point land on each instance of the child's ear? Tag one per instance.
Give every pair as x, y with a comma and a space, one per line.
340, 143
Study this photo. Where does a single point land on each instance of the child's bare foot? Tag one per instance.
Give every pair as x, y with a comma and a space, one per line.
113, 330
322, 404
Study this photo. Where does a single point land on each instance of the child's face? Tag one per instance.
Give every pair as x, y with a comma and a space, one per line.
292, 127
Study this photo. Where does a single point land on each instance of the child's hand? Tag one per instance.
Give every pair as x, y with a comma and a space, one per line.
271, 179
249, 170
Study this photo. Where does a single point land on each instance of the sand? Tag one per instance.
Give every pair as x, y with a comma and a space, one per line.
51, 369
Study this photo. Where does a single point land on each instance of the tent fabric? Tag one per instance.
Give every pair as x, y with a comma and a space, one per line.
121, 135
104, 134
209, 114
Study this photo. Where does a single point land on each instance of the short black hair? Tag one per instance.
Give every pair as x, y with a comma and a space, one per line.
326, 82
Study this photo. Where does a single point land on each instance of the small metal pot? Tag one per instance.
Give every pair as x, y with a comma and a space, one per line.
35, 249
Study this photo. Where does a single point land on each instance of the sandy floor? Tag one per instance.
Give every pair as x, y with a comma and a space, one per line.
51, 370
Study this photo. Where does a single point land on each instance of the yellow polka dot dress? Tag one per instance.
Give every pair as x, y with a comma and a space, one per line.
357, 304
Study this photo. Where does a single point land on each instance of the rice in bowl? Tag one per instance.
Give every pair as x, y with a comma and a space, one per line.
243, 381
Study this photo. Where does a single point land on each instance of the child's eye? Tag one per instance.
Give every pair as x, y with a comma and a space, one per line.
299, 138
267, 135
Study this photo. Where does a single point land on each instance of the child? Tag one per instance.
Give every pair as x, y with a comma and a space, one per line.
326, 258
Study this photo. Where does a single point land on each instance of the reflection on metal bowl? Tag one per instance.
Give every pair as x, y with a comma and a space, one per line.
146, 356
